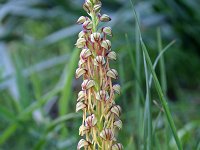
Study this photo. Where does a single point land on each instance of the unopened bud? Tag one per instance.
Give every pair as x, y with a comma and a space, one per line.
82, 34
94, 1
112, 73
116, 109
102, 95
80, 106
85, 53
106, 44
89, 2
118, 124
81, 20
80, 72
81, 62
117, 88
83, 143
80, 43
87, 25
91, 121
81, 96
97, 7
112, 55
87, 6
107, 135
105, 18
107, 30
99, 60
83, 130
87, 84
117, 146
95, 37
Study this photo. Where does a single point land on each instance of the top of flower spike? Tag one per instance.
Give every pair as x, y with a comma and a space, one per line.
92, 5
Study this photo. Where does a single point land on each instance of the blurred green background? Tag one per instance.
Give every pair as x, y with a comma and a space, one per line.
38, 59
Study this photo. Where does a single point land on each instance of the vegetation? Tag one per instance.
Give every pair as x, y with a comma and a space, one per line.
97, 96
158, 66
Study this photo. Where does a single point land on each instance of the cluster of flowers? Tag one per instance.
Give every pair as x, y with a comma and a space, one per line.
96, 100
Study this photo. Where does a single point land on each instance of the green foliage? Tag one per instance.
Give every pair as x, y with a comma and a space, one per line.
37, 87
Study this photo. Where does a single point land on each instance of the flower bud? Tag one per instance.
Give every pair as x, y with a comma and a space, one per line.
112, 73
80, 43
99, 60
117, 146
105, 18
81, 20
102, 95
95, 1
81, 96
89, 2
116, 109
95, 37
80, 72
87, 25
118, 124
87, 84
83, 130
107, 30
83, 143
91, 121
80, 105
85, 53
107, 135
82, 34
81, 62
106, 44
97, 8
87, 6
117, 88
112, 55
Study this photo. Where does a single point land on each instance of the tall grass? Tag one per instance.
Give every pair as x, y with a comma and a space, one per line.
148, 121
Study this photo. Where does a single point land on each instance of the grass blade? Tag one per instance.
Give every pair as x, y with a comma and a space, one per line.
139, 97
158, 86
161, 97
64, 100
136, 68
163, 81
12, 127
23, 115
8, 132
66, 91
162, 64
21, 83
122, 81
6, 114
198, 146
158, 58
41, 142
147, 112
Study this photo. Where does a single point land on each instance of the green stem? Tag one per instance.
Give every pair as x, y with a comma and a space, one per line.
93, 16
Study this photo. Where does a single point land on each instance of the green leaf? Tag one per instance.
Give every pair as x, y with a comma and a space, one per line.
67, 80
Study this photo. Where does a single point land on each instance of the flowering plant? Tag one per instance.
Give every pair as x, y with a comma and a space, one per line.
97, 98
